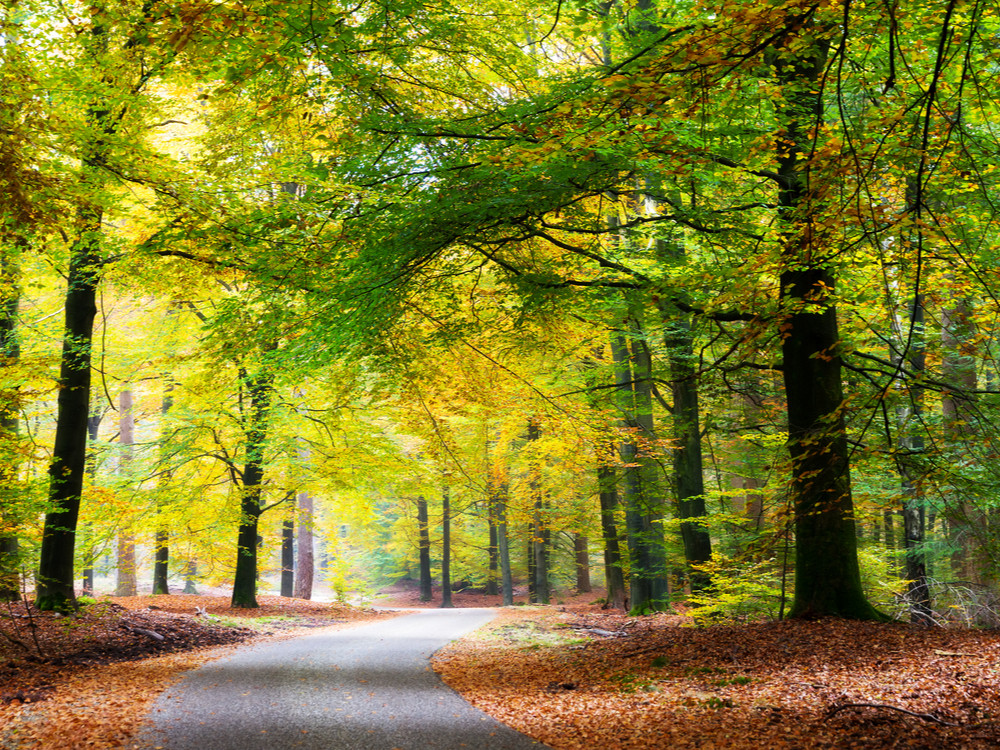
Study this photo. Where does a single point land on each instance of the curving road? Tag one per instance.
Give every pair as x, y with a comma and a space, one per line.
367, 688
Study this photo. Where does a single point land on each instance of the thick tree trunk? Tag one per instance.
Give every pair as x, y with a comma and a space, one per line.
54, 589
126, 563
424, 549
446, 548
613, 574
827, 575
260, 391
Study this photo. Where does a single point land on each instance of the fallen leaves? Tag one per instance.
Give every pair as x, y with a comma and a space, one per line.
89, 680
657, 683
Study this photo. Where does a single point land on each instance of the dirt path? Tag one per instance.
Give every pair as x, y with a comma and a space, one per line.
368, 688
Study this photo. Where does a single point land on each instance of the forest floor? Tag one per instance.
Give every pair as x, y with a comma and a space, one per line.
570, 675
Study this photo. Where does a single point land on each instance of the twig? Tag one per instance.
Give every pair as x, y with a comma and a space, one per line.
143, 631
834, 710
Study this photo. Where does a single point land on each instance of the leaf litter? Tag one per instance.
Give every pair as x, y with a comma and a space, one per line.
573, 677
88, 679
622, 682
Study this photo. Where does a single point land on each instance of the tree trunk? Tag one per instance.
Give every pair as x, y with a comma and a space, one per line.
161, 539
305, 555
911, 443
304, 547
10, 398
54, 585
424, 547
687, 457
288, 557
493, 571
190, 576
54, 590
539, 521
86, 533
581, 555
260, 389
646, 583
968, 524
446, 548
503, 548
613, 574
827, 575
126, 566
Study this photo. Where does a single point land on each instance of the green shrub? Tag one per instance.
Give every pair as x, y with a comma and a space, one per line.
740, 591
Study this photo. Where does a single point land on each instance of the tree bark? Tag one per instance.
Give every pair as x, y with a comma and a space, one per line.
493, 570
260, 390
503, 548
126, 567
613, 574
54, 589
10, 401
446, 548
54, 584
288, 557
539, 520
86, 532
161, 538
305, 556
581, 555
827, 575
424, 548
688, 467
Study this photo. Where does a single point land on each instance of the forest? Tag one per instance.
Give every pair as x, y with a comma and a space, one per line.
694, 300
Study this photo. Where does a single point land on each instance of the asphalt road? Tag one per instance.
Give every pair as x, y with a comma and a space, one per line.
366, 688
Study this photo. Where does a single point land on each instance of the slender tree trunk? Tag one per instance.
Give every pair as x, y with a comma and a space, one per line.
911, 443
126, 568
86, 532
644, 587
161, 538
968, 527
493, 572
613, 574
503, 548
581, 555
190, 578
827, 575
260, 389
446, 548
539, 520
305, 556
288, 556
10, 401
688, 466
424, 547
